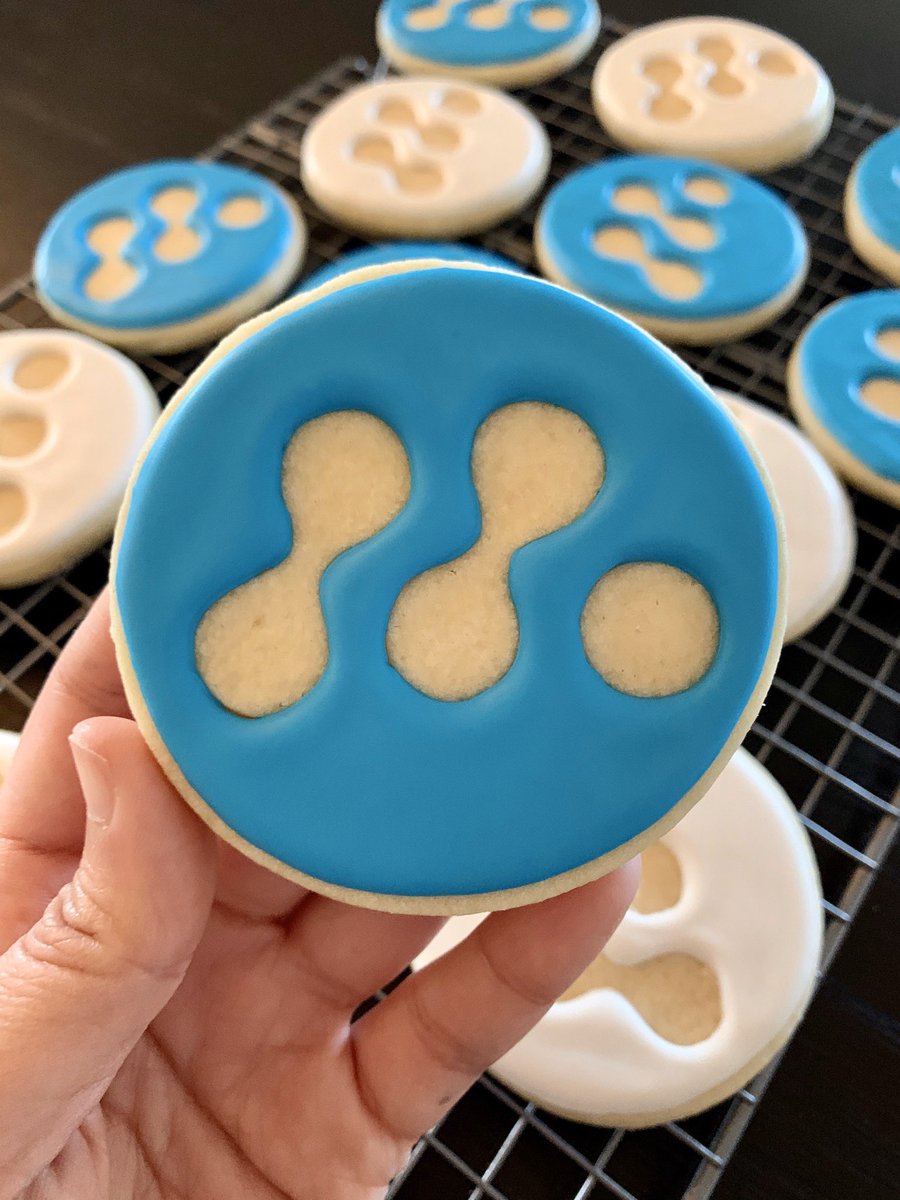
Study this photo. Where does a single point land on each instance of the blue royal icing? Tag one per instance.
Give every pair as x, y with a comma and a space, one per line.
877, 188
837, 354
365, 782
760, 246
457, 41
392, 252
229, 262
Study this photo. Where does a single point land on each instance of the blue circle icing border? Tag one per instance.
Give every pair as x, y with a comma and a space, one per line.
877, 188
760, 251
230, 262
366, 783
836, 354
458, 43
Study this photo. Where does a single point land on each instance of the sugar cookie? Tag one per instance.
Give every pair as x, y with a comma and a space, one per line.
691, 251
702, 983
73, 417
388, 705
844, 387
508, 43
872, 206
168, 255
714, 87
9, 742
820, 532
423, 158
394, 252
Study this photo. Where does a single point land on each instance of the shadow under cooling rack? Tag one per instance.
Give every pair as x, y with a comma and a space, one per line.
826, 730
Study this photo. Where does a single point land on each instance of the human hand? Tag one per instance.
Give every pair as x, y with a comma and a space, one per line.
176, 1021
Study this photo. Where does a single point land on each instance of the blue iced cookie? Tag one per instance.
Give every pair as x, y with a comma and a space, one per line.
872, 206
393, 252
500, 591
509, 43
844, 388
692, 251
169, 254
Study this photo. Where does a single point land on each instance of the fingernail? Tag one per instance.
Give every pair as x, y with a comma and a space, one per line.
94, 777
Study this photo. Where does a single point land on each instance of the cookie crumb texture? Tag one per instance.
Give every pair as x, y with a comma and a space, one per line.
421, 666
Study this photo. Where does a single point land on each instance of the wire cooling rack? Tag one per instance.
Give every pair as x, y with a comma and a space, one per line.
826, 731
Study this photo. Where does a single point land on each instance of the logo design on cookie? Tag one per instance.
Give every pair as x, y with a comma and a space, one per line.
453, 632
488, 14
722, 69
412, 132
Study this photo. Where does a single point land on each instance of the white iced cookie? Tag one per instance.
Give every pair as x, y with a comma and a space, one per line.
423, 158
716, 88
872, 206
704, 981
508, 43
818, 519
73, 417
9, 741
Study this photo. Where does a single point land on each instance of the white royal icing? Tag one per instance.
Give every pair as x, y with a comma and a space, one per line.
749, 908
73, 418
818, 520
423, 157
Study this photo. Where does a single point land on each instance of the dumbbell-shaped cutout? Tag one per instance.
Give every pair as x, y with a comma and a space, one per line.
640, 200
674, 280
435, 135
665, 103
113, 277
661, 883
430, 16
241, 212
676, 994
417, 176
493, 15
776, 62
720, 52
178, 242
21, 433
887, 342
881, 393
704, 189
650, 629
40, 370
264, 645
549, 17
13, 507
453, 631
460, 102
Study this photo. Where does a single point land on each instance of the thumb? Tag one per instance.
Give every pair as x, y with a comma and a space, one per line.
80, 987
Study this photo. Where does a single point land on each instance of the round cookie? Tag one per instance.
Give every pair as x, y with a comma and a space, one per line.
394, 252
423, 158
168, 255
9, 741
703, 982
872, 206
820, 532
691, 251
73, 418
378, 706
507, 43
844, 387
713, 87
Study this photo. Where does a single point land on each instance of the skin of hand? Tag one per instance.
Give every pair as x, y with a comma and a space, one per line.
175, 1021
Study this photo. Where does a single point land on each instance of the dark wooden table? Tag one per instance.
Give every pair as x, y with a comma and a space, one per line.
87, 86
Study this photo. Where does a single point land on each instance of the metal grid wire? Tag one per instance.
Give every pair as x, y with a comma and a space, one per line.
825, 732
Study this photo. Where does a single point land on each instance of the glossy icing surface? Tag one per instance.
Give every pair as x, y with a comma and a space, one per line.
73, 418
366, 782
730, 254
820, 534
836, 356
877, 188
749, 907
163, 243
479, 33
389, 252
709, 86
8, 743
